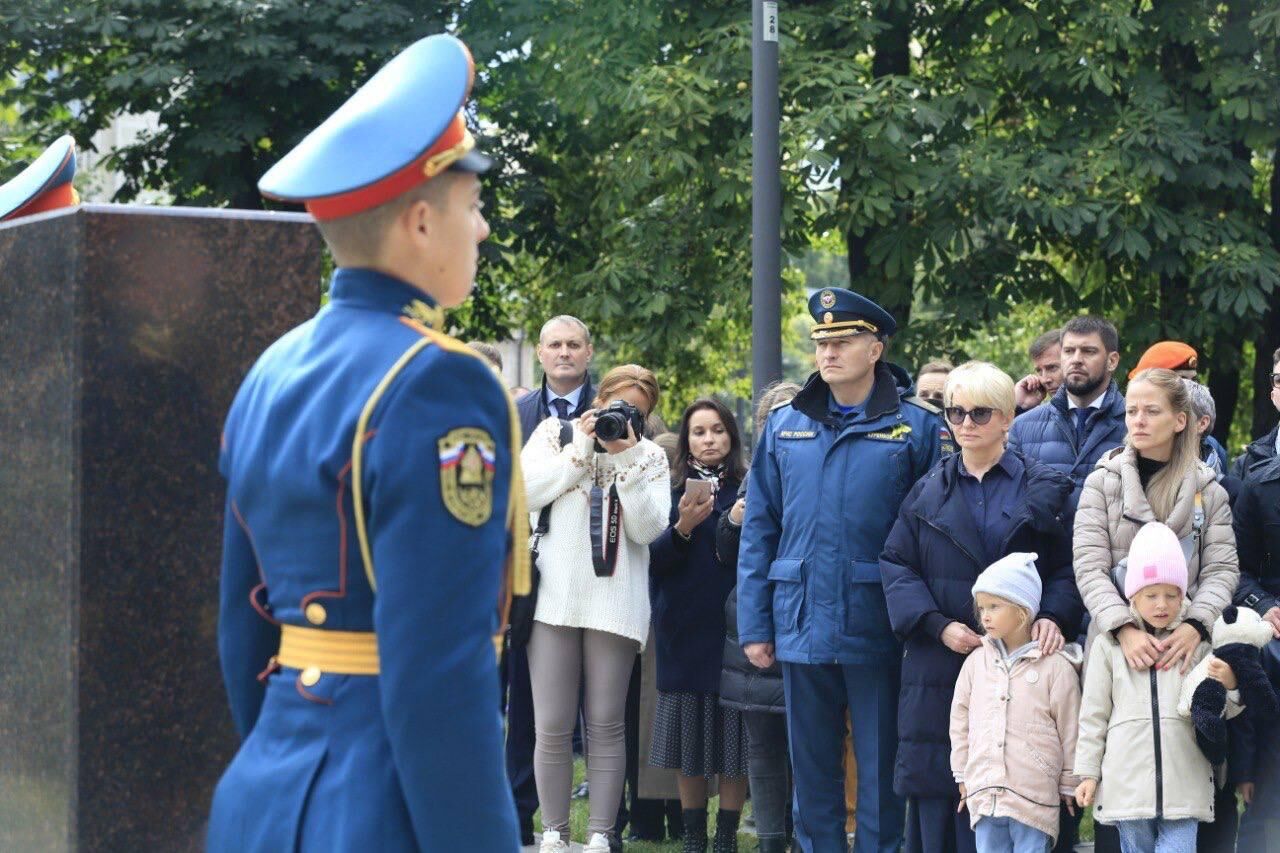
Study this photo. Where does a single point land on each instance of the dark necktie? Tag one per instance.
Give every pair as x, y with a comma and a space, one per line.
1082, 418
562, 408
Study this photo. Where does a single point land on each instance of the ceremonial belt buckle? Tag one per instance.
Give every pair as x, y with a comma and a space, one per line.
334, 652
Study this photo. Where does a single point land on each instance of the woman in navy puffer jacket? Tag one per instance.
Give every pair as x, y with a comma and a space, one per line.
971, 509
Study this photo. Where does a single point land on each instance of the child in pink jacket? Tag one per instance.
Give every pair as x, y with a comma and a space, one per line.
1013, 718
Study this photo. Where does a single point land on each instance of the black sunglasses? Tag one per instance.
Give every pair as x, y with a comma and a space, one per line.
1275, 380
980, 415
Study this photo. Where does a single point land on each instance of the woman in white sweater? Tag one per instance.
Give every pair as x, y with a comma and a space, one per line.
593, 599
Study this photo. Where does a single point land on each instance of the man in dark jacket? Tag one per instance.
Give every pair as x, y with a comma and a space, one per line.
1085, 418
1263, 449
1256, 519
564, 350
829, 473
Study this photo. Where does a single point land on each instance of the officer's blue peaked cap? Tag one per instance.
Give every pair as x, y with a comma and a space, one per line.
44, 185
840, 313
401, 128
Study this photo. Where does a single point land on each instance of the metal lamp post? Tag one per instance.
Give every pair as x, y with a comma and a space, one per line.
766, 199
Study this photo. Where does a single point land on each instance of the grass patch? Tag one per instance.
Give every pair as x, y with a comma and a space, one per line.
578, 813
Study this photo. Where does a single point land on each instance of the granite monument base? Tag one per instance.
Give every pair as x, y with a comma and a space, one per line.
124, 334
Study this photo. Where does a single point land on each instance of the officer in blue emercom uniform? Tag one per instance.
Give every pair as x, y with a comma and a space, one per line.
373, 493
829, 473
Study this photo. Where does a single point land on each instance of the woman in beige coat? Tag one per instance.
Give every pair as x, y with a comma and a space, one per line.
1156, 476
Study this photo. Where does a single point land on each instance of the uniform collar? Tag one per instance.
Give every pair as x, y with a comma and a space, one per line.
892, 383
355, 287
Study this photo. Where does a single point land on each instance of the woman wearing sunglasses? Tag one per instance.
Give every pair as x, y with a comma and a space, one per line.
973, 508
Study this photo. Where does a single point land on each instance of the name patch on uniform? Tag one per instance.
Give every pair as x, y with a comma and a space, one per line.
898, 433
797, 433
467, 461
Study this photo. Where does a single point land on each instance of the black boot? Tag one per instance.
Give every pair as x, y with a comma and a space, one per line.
726, 832
695, 830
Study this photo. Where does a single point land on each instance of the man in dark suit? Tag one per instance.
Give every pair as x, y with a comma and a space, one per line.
564, 350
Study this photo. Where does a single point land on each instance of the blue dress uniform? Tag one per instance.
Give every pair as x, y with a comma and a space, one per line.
823, 494
44, 185
373, 495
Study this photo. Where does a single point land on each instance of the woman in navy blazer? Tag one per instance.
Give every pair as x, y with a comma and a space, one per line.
692, 732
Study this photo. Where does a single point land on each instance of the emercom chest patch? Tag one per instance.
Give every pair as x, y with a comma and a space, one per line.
795, 434
898, 433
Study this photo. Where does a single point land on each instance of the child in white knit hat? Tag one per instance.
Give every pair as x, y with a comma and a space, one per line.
1013, 718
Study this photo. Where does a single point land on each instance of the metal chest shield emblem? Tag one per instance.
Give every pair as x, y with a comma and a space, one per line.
467, 458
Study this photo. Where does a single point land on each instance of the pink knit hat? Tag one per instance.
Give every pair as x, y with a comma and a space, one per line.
1155, 557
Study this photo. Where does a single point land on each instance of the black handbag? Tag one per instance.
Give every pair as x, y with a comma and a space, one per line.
523, 607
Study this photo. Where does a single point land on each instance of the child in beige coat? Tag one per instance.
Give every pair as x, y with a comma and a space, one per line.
1013, 718
1141, 767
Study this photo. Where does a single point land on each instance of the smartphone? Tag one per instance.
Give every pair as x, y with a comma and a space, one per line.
698, 489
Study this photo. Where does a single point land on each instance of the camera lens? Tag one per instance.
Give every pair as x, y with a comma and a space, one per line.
611, 426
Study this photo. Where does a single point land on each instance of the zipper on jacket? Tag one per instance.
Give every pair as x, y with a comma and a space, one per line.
1155, 731
950, 538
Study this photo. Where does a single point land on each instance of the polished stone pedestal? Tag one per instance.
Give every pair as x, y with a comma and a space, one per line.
124, 333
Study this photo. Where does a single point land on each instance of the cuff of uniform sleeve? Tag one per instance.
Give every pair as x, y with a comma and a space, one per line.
935, 623
745, 640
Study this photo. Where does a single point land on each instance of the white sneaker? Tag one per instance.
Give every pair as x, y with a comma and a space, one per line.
599, 844
551, 843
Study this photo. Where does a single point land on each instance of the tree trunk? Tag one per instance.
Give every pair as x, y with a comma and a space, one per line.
892, 57
1264, 413
1224, 382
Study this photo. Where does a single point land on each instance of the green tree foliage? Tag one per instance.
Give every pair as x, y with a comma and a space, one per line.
966, 157
235, 83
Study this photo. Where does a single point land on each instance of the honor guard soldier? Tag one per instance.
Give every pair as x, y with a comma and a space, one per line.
373, 499
44, 185
830, 472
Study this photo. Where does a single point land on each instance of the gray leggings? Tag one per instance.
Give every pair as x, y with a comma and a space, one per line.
558, 659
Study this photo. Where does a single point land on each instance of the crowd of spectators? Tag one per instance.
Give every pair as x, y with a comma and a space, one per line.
818, 631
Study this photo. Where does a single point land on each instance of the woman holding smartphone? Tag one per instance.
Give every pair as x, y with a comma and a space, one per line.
692, 732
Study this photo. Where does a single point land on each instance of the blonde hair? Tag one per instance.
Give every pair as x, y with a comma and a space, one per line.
1027, 616
773, 395
1162, 491
626, 376
983, 383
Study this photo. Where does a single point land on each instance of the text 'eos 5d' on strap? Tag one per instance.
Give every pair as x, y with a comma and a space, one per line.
605, 536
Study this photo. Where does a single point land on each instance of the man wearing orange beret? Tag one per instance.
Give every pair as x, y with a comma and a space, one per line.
1171, 355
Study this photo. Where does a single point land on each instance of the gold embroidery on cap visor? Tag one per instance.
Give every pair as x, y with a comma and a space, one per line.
842, 329
436, 164
467, 460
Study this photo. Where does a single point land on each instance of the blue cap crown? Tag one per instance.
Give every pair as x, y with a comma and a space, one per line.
839, 313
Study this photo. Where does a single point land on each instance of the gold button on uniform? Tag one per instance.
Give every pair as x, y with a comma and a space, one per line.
310, 676
315, 613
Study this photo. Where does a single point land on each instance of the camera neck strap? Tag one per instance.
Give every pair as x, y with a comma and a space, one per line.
606, 531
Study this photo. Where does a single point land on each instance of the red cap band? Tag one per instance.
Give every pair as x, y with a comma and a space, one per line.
398, 182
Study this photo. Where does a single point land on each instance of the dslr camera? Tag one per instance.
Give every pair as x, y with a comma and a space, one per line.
611, 423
